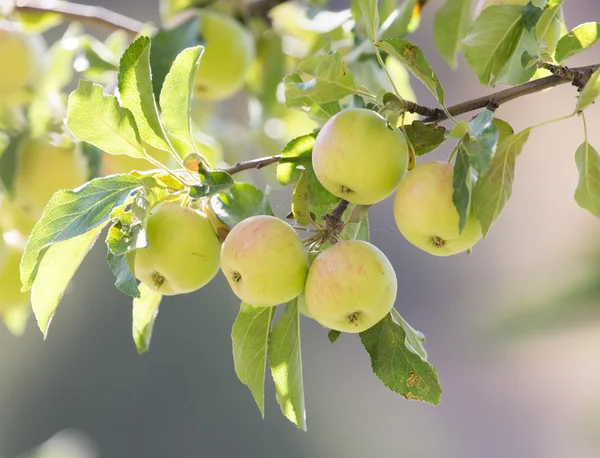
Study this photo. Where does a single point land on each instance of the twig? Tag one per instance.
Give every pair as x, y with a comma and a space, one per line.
94, 15
506, 95
339, 210
252, 164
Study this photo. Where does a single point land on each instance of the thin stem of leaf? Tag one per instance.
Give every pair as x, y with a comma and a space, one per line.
585, 134
166, 169
551, 121
387, 73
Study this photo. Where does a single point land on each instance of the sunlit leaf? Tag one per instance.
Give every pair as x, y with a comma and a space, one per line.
579, 39
451, 24
587, 194
239, 202
590, 91
144, 313
461, 195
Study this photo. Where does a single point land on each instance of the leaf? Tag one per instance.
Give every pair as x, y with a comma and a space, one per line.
285, 361
122, 267
492, 39
331, 81
9, 161
480, 143
250, 336
531, 16
144, 313
425, 137
450, 26
545, 21
135, 90
166, 46
357, 226
333, 335
98, 119
398, 365
405, 19
513, 72
55, 272
459, 130
213, 182
493, 189
176, 94
413, 59
415, 340
587, 194
370, 16
73, 213
300, 201
239, 202
590, 91
579, 39
461, 182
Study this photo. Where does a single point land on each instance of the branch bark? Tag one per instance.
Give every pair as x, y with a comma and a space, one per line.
252, 164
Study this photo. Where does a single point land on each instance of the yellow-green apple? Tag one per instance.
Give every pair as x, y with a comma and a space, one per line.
264, 261
350, 286
21, 55
10, 281
357, 156
228, 54
183, 252
425, 214
42, 169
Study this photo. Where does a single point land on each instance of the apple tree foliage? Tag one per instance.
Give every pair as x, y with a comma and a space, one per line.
134, 94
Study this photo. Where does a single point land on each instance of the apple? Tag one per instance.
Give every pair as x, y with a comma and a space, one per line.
228, 54
264, 261
358, 157
183, 251
350, 287
425, 214
11, 296
21, 55
42, 169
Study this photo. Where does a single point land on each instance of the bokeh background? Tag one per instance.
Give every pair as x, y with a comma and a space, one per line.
514, 330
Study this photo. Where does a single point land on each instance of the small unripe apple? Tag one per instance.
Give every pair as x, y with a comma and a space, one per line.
183, 251
10, 280
228, 54
358, 157
425, 214
21, 56
264, 261
44, 168
350, 287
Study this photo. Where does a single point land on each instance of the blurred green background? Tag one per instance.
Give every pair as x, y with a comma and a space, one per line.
514, 330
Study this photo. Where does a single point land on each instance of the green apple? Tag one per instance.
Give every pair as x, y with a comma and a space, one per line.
10, 281
264, 261
183, 251
350, 286
21, 55
42, 169
358, 157
228, 55
425, 214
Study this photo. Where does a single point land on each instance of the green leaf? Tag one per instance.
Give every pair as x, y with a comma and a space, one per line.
60, 57
300, 201
545, 21
176, 95
492, 39
396, 363
239, 202
333, 335
579, 39
122, 267
405, 19
504, 129
135, 90
425, 137
331, 81
513, 72
250, 336
590, 91
480, 143
459, 130
370, 16
461, 182
98, 119
413, 59
415, 340
587, 194
285, 362
145, 311
166, 46
493, 189
213, 182
450, 26
531, 16
9, 161
297, 157
54, 273
73, 213
357, 225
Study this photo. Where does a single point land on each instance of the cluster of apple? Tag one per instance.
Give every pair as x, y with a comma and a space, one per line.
349, 286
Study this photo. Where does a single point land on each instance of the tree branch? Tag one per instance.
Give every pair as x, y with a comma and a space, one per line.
252, 164
93, 15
